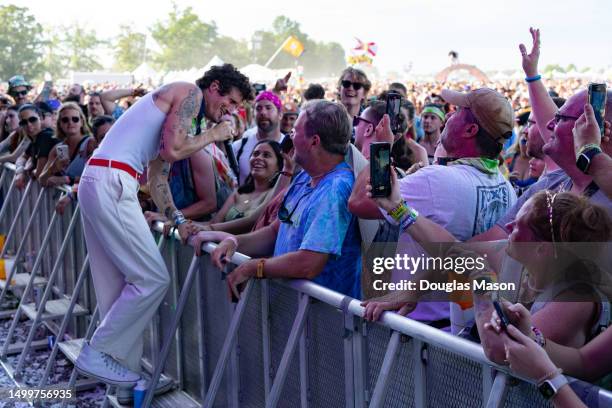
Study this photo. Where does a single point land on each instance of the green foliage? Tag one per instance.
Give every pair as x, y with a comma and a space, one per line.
129, 49
21, 43
80, 45
184, 39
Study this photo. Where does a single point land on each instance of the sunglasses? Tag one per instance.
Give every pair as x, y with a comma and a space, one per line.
357, 119
356, 85
31, 119
20, 93
283, 213
560, 117
66, 119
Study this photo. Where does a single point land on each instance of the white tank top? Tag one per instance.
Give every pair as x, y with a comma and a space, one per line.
134, 138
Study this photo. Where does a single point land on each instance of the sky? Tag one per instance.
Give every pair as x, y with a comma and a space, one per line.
409, 33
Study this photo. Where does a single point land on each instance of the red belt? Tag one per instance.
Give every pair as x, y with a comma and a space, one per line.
115, 165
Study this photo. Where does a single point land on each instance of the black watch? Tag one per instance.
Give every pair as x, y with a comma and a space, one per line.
584, 159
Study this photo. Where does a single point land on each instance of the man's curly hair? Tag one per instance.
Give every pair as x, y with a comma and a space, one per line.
228, 76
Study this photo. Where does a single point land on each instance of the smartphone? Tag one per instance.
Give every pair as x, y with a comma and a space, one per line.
259, 88
62, 152
287, 144
394, 103
504, 322
380, 169
597, 99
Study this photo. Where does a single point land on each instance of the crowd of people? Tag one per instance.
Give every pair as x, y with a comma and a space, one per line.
283, 176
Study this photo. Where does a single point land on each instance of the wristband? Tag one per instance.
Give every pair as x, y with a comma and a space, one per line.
398, 212
286, 173
539, 337
178, 218
533, 78
409, 219
549, 375
588, 146
259, 273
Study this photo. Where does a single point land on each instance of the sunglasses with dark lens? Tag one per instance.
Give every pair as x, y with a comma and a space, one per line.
31, 119
20, 93
66, 119
356, 85
357, 119
560, 117
283, 213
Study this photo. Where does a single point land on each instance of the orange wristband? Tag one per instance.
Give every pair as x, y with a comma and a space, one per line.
259, 274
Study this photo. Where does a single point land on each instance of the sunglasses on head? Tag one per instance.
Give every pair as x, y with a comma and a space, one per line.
31, 119
356, 85
66, 119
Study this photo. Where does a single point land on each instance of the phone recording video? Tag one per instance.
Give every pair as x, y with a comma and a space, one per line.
287, 144
394, 104
597, 99
380, 169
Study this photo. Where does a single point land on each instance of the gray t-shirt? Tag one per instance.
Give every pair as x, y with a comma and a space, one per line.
556, 180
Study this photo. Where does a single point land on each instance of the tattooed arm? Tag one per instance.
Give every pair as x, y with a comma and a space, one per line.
177, 138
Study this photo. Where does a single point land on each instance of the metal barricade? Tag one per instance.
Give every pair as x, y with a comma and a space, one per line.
285, 344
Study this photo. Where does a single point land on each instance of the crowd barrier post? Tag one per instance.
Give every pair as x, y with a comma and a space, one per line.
72, 348
31, 282
13, 227
296, 330
265, 335
64, 324
58, 308
380, 390
497, 395
193, 270
7, 198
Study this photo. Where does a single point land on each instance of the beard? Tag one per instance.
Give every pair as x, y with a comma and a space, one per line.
267, 125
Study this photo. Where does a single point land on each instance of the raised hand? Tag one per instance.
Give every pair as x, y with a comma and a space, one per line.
530, 61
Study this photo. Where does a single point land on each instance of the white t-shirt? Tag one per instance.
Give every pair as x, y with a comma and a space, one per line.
243, 161
460, 198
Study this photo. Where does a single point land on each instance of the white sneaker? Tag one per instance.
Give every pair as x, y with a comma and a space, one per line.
97, 364
125, 395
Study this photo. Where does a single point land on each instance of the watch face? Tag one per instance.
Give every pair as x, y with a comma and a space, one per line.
583, 162
546, 390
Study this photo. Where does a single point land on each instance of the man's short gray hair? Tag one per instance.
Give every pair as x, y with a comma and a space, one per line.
330, 121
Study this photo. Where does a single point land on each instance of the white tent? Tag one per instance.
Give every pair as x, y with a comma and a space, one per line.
258, 73
213, 61
144, 72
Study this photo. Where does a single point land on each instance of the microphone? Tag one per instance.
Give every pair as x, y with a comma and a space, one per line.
231, 158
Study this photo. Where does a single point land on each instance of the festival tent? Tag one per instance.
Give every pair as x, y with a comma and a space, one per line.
258, 73
213, 61
144, 72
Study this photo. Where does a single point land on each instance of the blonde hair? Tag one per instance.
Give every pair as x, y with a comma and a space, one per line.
85, 130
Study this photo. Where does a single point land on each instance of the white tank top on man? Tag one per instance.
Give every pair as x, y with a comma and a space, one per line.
134, 139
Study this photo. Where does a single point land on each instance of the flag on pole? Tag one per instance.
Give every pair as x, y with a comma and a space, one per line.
367, 48
293, 46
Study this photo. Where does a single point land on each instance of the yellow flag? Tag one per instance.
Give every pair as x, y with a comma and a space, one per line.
294, 47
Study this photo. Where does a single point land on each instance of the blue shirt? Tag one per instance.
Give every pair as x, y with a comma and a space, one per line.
321, 222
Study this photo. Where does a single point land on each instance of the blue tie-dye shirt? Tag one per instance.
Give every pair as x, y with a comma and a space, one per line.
321, 222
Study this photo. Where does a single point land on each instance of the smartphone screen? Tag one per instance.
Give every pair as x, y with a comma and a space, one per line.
62, 152
502, 317
287, 144
597, 99
380, 169
394, 103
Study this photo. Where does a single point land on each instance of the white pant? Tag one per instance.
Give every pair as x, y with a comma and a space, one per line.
129, 274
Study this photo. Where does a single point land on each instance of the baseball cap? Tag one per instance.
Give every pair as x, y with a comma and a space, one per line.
291, 107
490, 108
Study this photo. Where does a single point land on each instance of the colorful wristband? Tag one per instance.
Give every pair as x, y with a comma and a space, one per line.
259, 273
533, 78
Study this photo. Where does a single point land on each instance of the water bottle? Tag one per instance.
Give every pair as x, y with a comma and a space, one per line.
50, 342
139, 393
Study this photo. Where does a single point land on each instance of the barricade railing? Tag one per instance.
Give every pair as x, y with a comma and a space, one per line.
289, 343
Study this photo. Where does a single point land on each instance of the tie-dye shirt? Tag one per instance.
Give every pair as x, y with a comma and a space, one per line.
321, 222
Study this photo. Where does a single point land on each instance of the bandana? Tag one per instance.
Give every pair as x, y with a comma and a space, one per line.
435, 111
487, 166
269, 96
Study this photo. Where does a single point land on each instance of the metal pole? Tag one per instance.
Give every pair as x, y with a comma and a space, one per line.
65, 320
283, 367
9, 235
498, 392
173, 325
228, 345
7, 199
382, 383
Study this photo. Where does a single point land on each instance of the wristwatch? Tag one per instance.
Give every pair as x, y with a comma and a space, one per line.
549, 388
585, 157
